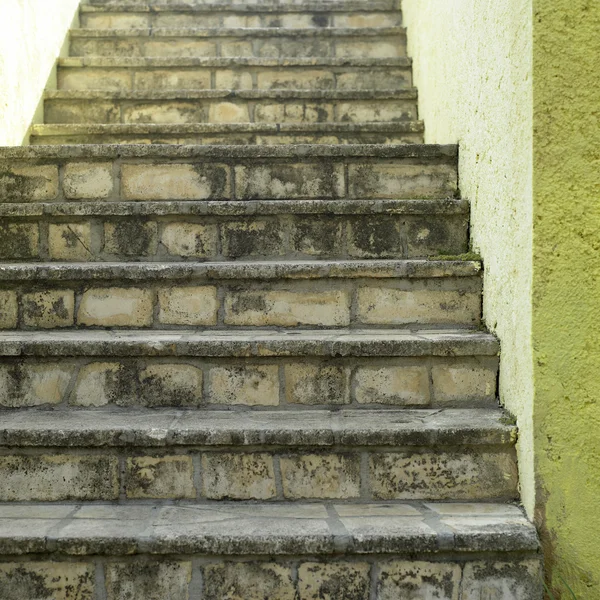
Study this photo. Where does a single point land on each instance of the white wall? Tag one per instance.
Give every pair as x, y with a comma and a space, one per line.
473, 62
32, 35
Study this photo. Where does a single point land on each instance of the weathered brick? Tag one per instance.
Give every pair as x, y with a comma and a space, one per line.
90, 78
320, 476
249, 581
375, 48
228, 112
148, 580
190, 239
463, 382
432, 236
116, 307
289, 181
333, 581
376, 112
252, 238
293, 112
164, 112
171, 385
419, 580
374, 237
317, 384
397, 385
172, 79
88, 180
317, 236
374, 79
395, 180
70, 241
360, 19
95, 385
251, 385
28, 183
27, 580
388, 306
9, 310
167, 477
288, 79
19, 240
238, 476
175, 182
287, 308
232, 80
34, 384
48, 309
181, 47
441, 475
57, 477
502, 580
131, 237
188, 306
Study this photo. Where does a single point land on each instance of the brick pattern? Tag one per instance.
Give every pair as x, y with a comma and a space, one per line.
222, 383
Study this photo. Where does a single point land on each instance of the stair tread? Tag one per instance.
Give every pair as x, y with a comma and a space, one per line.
116, 427
143, 62
265, 528
247, 343
134, 271
254, 32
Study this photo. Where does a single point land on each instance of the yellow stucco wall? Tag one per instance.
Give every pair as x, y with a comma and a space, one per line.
566, 287
32, 36
473, 70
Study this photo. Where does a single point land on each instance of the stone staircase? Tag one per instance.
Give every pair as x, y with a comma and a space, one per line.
251, 366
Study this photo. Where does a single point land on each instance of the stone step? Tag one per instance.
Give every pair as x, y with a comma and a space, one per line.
292, 172
267, 42
229, 106
305, 551
254, 368
163, 74
232, 230
309, 455
123, 15
229, 295
270, 134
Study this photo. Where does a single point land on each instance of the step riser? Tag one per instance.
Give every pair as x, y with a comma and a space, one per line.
228, 19
352, 46
325, 303
228, 111
173, 78
55, 474
277, 383
221, 238
353, 577
242, 179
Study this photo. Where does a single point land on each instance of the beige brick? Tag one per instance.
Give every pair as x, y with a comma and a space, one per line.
397, 385
394, 180
115, 21
228, 112
70, 241
376, 48
377, 112
175, 182
19, 240
116, 307
463, 382
131, 237
287, 309
27, 580
58, 477
173, 79
253, 385
492, 579
320, 476
476, 475
292, 112
388, 306
188, 306
190, 239
163, 112
9, 310
361, 20
88, 78
237, 48
315, 384
418, 580
52, 308
334, 581
289, 181
249, 581
148, 580
171, 385
88, 180
180, 48
375, 79
232, 80
238, 476
296, 79
43, 383
95, 384
167, 477
28, 183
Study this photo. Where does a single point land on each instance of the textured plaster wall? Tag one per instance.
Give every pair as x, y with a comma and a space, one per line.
566, 288
473, 62
32, 36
